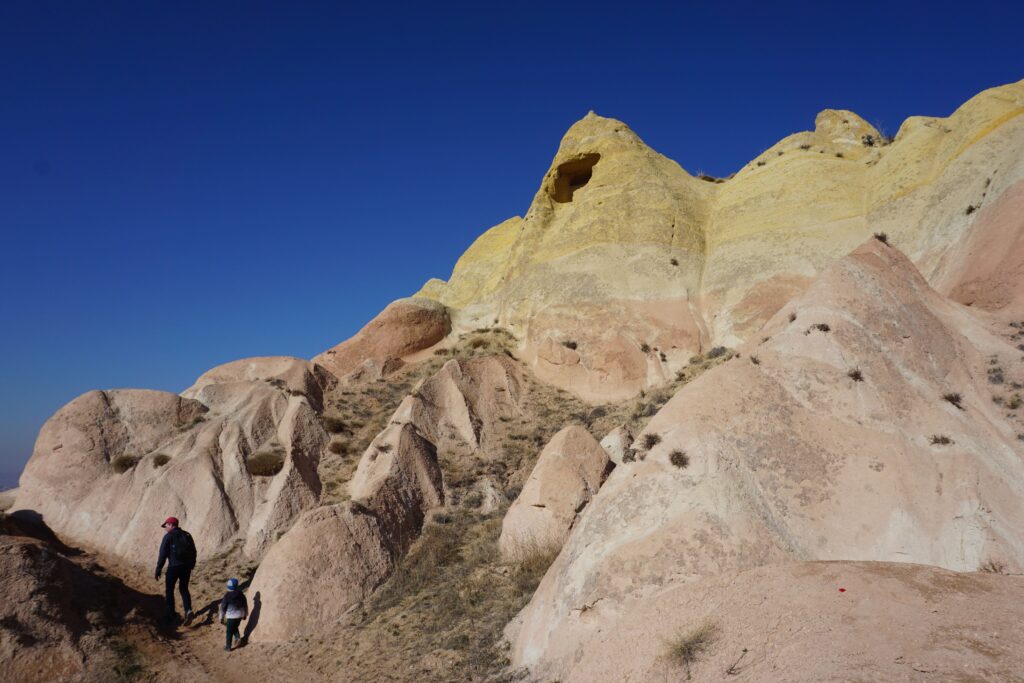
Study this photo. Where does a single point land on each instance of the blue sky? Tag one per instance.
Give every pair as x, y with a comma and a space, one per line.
187, 183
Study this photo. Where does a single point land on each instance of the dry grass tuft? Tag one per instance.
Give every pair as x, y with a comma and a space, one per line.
123, 463
686, 647
650, 441
991, 566
954, 398
680, 459
265, 463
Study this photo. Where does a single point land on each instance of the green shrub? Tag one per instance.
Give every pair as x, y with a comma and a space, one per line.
940, 440
856, 375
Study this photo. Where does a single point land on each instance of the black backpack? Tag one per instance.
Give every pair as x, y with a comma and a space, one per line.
183, 549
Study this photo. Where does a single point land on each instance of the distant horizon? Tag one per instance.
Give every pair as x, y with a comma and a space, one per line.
188, 186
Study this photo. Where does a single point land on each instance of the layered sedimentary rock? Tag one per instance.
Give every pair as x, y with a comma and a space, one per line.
568, 473
639, 264
234, 459
860, 426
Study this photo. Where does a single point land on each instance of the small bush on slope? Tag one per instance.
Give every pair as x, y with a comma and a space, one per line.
686, 647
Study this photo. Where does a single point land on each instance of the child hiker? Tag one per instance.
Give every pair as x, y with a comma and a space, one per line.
233, 608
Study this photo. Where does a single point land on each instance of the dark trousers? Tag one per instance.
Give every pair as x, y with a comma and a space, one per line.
232, 631
181, 575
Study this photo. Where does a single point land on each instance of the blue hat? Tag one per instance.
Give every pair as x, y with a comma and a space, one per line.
232, 584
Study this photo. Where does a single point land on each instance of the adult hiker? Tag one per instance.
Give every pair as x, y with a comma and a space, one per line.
178, 550
233, 608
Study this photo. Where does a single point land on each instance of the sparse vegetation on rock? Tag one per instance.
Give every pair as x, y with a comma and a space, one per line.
123, 463
685, 648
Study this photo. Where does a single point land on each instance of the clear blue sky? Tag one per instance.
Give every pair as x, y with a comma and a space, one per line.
187, 183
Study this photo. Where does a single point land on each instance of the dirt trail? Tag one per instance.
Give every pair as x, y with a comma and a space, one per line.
195, 651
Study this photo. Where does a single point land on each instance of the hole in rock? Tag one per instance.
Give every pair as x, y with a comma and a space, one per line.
572, 175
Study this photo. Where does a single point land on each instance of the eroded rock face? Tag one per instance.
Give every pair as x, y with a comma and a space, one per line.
110, 466
331, 559
568, 473
403, 328
832, 445
793, 624
399, 480
638, 265
53, 611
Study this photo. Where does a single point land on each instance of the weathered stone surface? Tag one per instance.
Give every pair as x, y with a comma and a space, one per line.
110, 466
331, 559
795, 458
790, 622
403, 328
568, 473
641, 265
399, 480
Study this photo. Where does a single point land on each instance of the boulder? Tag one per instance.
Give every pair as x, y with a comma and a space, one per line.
331, 559
568, 473
617, 443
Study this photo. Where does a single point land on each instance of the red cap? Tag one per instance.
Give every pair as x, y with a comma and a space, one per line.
170, 520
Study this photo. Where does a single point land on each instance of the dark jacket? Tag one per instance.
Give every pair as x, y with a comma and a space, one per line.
172, 539
234, 605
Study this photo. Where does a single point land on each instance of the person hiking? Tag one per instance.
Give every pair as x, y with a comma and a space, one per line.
233, 608
178, 550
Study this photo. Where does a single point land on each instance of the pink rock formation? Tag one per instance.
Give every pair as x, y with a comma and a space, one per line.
568, 473
811, 621
331, 559
403, 328
832, 445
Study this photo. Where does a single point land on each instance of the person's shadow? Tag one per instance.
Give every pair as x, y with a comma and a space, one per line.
254, 619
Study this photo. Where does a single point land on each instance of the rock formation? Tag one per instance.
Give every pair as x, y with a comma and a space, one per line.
403, 328
809, 621
862, 427
331, 559
871, 415
568, 473
234, 458
639, 265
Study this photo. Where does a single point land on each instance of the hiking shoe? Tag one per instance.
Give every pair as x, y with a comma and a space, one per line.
188, 616
227, 648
